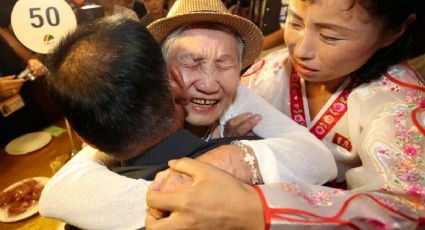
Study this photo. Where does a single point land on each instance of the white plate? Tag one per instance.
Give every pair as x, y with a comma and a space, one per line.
28, 143
4, 217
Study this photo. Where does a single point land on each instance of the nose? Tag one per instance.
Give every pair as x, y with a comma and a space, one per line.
207, 83
304, 48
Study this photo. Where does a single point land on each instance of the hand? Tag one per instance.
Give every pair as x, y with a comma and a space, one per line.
216, 200
37, 68
10, 86
241, 125
168, 181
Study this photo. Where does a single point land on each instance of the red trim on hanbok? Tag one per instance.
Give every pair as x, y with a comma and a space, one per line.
416, 122
267, 216
404, 84
336, 219
329, 119
255, 71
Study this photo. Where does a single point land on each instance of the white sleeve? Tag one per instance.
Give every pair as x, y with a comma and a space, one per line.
86, 194
288, 149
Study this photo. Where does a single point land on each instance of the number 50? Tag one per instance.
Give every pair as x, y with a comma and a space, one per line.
35, 14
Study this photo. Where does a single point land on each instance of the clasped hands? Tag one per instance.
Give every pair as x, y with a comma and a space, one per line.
206, 198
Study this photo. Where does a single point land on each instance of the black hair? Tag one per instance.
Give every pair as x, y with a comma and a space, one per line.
5, 17
6, 8
110, 81
393, 13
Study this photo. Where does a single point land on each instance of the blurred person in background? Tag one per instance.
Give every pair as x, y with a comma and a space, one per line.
136, 5
15, 58
111, 7
155, 10
276, 38
170, 3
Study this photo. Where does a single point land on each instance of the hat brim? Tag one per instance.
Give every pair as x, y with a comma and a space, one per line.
248, 31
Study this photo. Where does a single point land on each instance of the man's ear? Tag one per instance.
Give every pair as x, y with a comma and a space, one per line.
395, 35
178, 88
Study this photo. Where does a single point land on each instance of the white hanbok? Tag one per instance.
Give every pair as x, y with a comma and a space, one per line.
376, 134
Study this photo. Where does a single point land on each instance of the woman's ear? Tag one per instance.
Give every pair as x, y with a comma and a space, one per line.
178, 88
395, 35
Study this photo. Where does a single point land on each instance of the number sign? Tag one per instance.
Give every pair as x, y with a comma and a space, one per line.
40, 24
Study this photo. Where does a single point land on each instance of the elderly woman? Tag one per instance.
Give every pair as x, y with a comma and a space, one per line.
211, 74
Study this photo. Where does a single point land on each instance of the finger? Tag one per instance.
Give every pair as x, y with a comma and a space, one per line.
165, 201
8, 77
13, 82
238, 120
249, 124
14, 86
159, 180
152, 223
158, 214
18, 82
189, 166
176, 181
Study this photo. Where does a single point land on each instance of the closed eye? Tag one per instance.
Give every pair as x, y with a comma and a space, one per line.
295, 26
189, 61
330, 38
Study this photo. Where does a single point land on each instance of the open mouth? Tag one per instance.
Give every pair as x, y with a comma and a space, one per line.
203, 103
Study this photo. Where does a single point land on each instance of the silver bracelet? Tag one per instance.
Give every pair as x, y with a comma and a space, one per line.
250, 160
221, 129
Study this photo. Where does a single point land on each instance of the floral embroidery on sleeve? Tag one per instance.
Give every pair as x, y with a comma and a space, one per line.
408, 166
317, 199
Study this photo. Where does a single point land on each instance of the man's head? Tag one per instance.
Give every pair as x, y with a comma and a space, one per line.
110, 80
210, 46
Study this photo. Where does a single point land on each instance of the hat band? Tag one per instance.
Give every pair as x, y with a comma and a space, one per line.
203, 11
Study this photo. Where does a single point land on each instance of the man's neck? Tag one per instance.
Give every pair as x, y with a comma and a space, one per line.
157, 137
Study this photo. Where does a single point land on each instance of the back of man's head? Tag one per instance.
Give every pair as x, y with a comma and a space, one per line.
110, 81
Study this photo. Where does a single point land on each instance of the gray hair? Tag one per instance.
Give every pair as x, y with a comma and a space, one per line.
169, 41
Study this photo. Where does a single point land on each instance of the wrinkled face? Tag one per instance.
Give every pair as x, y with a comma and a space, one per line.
208, 61
327, 40
154, 6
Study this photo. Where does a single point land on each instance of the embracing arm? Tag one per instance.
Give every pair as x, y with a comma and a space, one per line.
284, 205
288, 149
86, 194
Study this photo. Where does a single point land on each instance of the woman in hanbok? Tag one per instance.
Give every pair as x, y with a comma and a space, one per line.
342, 76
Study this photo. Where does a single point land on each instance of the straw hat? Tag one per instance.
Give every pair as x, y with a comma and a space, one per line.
189, 11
